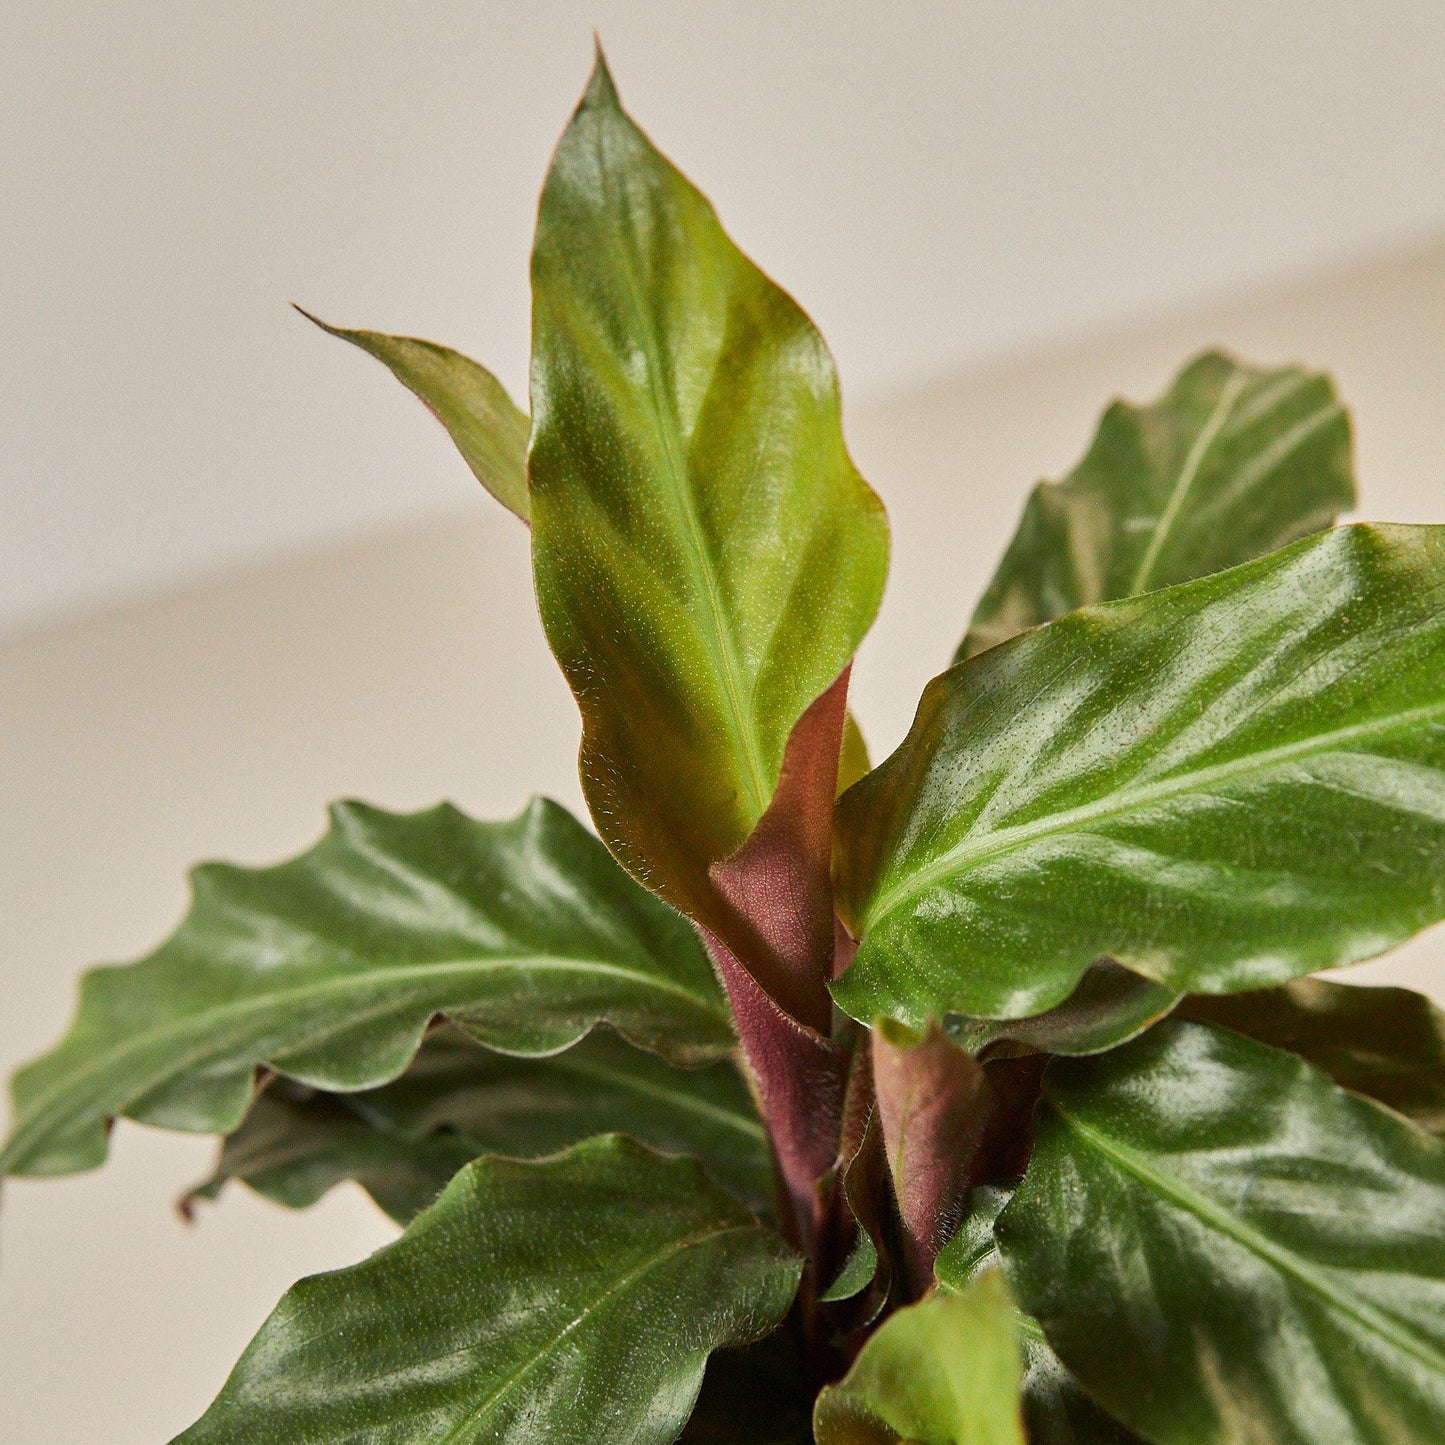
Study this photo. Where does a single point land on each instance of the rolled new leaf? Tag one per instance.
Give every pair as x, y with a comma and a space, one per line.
944, 1371
1221, 786
575, 1298
1229, 464
329, 967
456, 1101
489, 430
1222, 1245
707, 557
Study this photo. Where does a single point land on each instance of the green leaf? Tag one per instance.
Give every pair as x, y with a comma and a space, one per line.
328, 968
1056, 1411
1108, 1008
1220, 786
489, 431
1385, 1043
707, 557
942, 1372
1224, 1246
576, 1298
404, 1141
1229, 464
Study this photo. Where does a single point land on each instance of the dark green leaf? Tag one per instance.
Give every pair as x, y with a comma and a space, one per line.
1109, 1007
328, 968
404, 1141
572, 1299
1231, 463
1221, 786
1386, 1043
707, 557
1056, 1411
1224, 1246
490, 432
942, 1372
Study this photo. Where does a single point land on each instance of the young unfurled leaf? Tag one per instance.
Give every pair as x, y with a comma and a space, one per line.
1056, 1411
1231, 463
1222, 785
489, 430
575, 1298
1385, 1043
1222, 1245
1108, 1008
707, 558
457, 1100
944, 1371
328, 968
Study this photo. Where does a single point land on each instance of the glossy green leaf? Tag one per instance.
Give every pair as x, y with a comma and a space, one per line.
1222, 1245
707, 557
404, 1141
1385, 1043
1109, 1007
944, 1371
328, 968
1229, 464
489, 430
1056, 1411
575, 1298
1220, 786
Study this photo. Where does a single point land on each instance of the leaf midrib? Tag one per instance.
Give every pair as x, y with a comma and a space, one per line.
627, 1281
1286, 1261
719, 637
972, 852
50, 1102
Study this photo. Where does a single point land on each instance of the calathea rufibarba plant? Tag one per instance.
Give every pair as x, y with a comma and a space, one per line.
993, 1101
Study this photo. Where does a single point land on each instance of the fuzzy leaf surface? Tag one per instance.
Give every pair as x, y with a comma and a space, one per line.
1230, 463
1222, 1245
456, 1101
944, 1371
575, 1298
707, 557
1385, 1043
1220, 786
328, 968
489, 429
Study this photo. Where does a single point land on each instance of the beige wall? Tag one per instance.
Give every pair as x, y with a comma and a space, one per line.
217, 720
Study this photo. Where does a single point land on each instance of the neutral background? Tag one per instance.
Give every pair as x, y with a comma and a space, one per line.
999, 221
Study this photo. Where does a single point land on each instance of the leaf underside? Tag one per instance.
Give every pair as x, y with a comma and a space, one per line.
1220, 786
328, 969
1230, 464
404, 1141
578, 1296
1222, 1245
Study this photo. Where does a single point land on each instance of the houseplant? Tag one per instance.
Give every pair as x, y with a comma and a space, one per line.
995, 1098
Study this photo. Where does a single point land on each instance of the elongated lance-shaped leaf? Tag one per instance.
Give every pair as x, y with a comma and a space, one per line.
707, 557
1221, 786
1108, 1008
1229, 464
457, 1100
489, 430
1056, 1410
328, 968
944, 1371
1385, 1043
1222, 1245
574, 1299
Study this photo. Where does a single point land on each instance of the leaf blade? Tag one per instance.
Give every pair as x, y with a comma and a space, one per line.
614, 1272
706, 556
1293, 1234
1231, 463
1221, 786
328, 968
